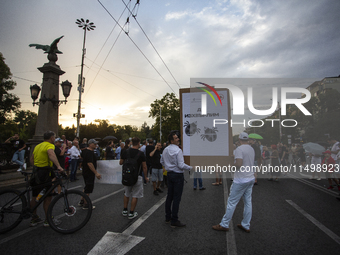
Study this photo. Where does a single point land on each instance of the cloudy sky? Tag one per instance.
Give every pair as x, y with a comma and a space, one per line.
210, 39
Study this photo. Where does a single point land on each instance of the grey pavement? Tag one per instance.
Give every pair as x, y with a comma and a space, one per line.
289, 217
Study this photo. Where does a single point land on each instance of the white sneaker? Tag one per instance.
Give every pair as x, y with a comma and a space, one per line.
132, 215
319, 179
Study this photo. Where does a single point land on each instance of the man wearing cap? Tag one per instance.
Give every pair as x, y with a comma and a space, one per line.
242, 186
89, 170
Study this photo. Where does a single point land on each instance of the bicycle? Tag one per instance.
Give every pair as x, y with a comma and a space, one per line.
63, 215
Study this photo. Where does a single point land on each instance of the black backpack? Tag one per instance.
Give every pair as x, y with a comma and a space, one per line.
130, 170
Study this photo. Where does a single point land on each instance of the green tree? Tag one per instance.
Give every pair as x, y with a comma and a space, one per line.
8, 129
170, 115
145, 129
26, 121
9, 102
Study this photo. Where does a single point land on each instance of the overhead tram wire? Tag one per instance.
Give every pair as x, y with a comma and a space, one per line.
109, 54
131, 85
134, 16
100, 52
126, 74
106, 40
24, 79
137, 47
114, 43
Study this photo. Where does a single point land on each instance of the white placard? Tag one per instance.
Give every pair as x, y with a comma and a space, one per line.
110, 170
199, 136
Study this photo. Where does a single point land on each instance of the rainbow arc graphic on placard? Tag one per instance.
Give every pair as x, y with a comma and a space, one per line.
209, 93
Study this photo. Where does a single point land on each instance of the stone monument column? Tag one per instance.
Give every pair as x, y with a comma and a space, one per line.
48, 114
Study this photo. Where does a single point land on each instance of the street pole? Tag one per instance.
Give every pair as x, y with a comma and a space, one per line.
280, 121
86, 26
80, 87
160, 124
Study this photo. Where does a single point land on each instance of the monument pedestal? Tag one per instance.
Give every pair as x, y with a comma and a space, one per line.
48, 114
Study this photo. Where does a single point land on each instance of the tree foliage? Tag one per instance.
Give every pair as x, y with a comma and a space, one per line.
324, 121
102, 128
9, 102
170, 115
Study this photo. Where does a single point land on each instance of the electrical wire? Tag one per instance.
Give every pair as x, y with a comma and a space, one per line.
132, 75
137, 47
107, 55
106, 41
134, 16
24, 79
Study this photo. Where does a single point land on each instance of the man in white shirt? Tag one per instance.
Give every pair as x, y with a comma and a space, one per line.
242, 186
173, 161
75, 155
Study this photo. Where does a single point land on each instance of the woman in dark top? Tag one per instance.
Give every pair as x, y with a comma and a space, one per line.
109, 151
127, 146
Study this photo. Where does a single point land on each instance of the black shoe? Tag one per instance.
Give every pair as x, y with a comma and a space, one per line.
155, 192
159, 190
177, 224
195, 188
202, 188
167, 221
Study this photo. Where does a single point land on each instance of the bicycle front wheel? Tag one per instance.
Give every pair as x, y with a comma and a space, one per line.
12, 206
65, 215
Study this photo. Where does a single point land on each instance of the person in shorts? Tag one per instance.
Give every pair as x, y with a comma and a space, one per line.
135, 191
42, 159
156, 169
89, 170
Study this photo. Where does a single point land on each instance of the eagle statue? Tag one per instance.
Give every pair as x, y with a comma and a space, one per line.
48, 48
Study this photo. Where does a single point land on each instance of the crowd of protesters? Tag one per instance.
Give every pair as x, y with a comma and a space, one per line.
164, 165
281, 154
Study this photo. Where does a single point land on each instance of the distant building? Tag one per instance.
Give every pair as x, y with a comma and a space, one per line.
327, 83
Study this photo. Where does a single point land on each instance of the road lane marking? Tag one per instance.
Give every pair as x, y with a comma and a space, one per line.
33, 228
322, 227
109, 195
230, 235
115, 243
143, 218
323, 189
121, 243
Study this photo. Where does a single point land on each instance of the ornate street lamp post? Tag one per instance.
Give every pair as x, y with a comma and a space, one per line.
87, 26
35, 90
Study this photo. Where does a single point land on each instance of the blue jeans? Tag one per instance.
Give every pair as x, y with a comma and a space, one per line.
237, 191
19, 157
198, 175
74, 166
175, 190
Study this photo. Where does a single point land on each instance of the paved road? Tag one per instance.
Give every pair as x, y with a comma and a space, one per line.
289, 217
